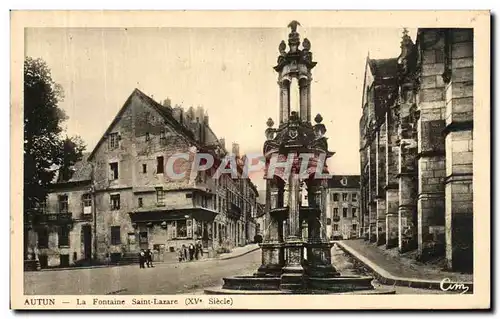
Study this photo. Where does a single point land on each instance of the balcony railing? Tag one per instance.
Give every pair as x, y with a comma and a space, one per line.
53, 218
234, 210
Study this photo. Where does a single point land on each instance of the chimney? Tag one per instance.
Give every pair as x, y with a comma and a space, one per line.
178, 113
167, 102
236, 150
222, 141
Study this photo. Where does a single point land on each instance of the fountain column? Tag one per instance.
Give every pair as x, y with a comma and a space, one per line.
318, 247
293, 272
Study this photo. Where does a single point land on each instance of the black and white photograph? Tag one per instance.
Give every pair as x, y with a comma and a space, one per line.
218, 160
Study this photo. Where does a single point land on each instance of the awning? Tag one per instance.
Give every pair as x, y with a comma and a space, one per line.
155, 214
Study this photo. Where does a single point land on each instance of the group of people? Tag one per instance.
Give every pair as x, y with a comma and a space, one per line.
190, 252
145, 258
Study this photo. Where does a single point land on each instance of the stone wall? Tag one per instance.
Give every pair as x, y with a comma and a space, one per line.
459, 150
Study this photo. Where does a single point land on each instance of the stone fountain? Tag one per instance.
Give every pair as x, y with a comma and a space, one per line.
296, 253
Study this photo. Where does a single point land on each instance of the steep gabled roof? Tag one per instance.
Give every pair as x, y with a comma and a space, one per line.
82, 171
165, 112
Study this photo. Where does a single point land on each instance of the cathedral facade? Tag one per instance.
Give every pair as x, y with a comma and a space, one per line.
416, 148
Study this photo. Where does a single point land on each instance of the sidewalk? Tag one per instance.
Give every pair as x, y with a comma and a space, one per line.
235, 252
392, 269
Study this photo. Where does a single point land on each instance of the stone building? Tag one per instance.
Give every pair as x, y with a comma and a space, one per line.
120, 198
416, 147
342, 207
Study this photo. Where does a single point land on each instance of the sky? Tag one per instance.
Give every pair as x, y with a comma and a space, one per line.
228, 71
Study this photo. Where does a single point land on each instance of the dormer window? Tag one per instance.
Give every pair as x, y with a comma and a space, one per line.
343, 181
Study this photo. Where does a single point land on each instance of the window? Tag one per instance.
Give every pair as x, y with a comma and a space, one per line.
113, 171
144, 168
354, 227
43, 238
114, 140
181, 228
160, 196
139, 202
335, 212
143, 237
354, 212
328, 221
63, 203
354, 197
115, 201
115, 235
63, 236
335, 227
189, 195
87, 204
42, 206
344, 197
335, 197
159, 165
344, 212
147, 136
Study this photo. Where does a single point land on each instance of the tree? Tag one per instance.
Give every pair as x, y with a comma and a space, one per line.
71, 151
44, 148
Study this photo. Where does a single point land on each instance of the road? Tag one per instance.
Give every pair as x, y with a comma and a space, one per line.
178, 278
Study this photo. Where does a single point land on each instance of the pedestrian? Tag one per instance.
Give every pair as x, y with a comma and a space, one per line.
184, 252
200, 249
142, 258
180, 254
196, 252
191, 251
149, 258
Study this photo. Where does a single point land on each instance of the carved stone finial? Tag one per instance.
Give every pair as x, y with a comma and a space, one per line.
306, 44
282, 47
318, 119
270, 122
293, 25
405, 40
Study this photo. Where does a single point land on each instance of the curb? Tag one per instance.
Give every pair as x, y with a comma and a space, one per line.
163, 263
386, 278
242, 254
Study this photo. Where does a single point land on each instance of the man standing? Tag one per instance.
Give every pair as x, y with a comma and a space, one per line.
149, 258
199, 249
142, 258
191, 251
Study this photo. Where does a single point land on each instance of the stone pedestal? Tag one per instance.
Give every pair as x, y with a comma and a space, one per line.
272, 259
319, 260
292, 277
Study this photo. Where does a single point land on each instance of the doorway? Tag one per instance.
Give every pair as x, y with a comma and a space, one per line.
87, 242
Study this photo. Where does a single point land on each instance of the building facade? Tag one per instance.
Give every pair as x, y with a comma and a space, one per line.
416, 147
120, 198
342, 207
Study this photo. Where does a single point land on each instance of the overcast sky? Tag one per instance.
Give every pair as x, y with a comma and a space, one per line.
227, 71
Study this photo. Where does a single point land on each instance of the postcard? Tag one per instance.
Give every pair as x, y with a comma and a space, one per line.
250, 160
